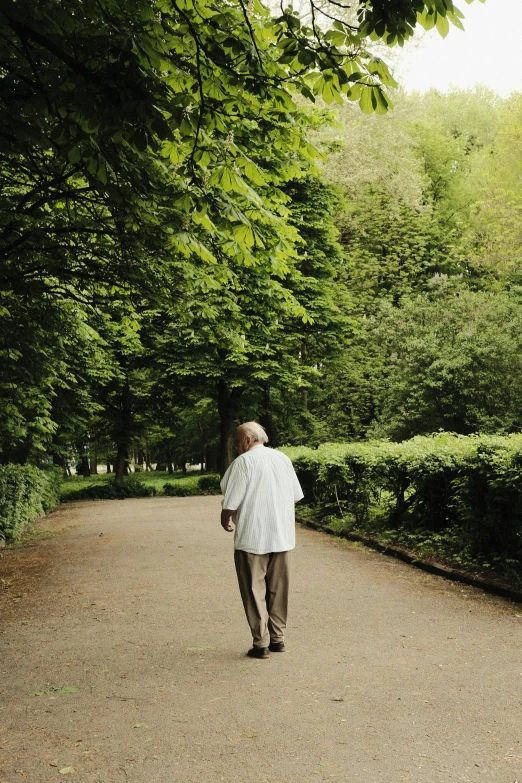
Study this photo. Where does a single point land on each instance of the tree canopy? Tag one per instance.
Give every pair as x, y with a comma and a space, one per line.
164, 231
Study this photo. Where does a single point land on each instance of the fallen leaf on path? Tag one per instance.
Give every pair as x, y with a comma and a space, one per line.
67, 771
337, 698
139, 726
203, 647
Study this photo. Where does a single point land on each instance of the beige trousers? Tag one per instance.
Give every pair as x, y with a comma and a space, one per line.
263, 584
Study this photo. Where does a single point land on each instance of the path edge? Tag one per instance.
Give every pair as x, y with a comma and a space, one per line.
424, 565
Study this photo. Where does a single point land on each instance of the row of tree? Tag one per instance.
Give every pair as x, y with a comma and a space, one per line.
173, 260
431, 232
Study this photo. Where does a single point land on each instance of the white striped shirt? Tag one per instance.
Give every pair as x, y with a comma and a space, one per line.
261, 487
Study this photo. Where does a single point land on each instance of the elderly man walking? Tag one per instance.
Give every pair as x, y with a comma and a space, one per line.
260, 490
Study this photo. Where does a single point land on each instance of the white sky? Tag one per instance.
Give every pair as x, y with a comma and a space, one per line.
489, 52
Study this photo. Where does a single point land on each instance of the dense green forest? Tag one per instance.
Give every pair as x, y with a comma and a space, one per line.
197, 229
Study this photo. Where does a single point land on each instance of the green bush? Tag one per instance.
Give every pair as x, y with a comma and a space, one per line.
26, 492
178, 490
210, 484
128, 487
205, 485
461, 493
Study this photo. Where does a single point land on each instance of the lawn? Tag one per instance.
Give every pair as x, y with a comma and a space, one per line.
157, 479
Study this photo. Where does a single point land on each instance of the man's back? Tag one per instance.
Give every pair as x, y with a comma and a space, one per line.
262, 488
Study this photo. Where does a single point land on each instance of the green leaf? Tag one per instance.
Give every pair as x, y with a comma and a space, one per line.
307, 93
366, 100
442, 25
455, 19
427, 19
139, 140
336, 38
252, 171
75, 154
244, 235
355, 91
306, 56
222, 178
328, 89
175, 154
441, 7
380, 101
101, 173
161, 128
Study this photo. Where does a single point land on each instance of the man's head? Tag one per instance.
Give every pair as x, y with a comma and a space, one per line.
248, 435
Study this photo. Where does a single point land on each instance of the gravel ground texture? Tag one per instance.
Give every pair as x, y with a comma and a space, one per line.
122, 660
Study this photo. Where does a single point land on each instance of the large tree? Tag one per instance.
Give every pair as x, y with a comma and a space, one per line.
145, 147
124, 124
453, 362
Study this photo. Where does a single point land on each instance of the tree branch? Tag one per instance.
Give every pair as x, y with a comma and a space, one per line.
24, 32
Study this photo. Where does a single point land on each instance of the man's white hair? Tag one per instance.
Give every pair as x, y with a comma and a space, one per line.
254, 431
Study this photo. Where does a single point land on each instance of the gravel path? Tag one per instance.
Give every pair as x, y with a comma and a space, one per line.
391, 674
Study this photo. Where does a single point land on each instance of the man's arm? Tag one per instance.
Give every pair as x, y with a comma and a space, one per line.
226, 516
234, 486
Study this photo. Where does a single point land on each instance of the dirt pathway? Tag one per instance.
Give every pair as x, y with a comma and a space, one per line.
391, 675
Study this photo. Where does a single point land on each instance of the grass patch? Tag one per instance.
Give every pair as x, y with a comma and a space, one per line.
184, 484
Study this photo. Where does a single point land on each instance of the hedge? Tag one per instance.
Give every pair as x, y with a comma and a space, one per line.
466, 489
112, 489
26, 492
138, 485
206, 485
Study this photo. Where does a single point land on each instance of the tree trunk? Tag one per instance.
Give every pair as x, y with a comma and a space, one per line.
123, 434
84, 469
59, 461
119, 463
109, 467
304, 393
211, 459
94, 464
228, 400
267, 419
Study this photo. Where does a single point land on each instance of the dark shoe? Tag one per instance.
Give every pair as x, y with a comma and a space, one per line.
258, 652
276, 647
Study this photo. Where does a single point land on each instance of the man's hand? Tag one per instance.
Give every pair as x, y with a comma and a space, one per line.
226, 516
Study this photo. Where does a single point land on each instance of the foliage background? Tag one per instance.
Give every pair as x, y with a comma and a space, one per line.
208, 215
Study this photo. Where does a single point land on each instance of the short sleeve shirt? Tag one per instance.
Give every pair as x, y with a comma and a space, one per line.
261, 487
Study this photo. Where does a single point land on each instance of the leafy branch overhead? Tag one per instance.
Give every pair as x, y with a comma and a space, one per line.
134, 121
150, 152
